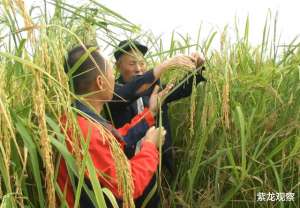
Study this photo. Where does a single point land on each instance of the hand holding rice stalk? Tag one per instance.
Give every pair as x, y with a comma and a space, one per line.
180, 66
184, 62
188, 66
156, 136
157, 97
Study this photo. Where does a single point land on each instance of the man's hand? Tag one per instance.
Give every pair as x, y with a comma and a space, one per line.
179, 61
156, 97
198, 59
155, 135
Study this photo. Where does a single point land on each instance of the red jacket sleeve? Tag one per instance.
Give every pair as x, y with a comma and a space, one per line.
143, 165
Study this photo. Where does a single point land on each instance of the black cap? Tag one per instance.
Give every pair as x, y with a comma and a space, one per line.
127, 45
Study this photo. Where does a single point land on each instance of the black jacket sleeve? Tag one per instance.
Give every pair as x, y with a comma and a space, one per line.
126, 93
131, 91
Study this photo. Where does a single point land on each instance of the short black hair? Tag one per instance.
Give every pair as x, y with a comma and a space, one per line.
87, 72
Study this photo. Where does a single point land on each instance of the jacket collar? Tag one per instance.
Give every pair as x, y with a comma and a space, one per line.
86, 111
120, 80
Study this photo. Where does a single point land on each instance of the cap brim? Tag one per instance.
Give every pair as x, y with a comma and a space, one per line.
143, 49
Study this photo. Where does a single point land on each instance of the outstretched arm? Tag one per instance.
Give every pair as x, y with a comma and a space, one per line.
132, 90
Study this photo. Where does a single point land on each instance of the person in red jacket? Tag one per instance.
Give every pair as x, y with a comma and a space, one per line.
93, 79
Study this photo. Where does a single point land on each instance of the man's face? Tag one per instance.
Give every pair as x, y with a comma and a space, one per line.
109, 80
131, 64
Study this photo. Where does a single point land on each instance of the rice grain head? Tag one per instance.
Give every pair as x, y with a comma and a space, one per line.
193, 108
46, 149
226, 100
27, 20
123, 170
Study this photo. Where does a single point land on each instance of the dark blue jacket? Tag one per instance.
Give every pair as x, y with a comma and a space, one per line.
123, 110
124, 107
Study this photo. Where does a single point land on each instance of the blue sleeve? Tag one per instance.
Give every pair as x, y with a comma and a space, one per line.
136, 133
131, 91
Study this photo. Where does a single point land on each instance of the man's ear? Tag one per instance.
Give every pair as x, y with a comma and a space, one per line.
100, 82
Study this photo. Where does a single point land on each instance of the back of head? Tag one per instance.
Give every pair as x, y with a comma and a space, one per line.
83, 64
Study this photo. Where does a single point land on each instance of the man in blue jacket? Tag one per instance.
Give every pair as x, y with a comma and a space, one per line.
134, 87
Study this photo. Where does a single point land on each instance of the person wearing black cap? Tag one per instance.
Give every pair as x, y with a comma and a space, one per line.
132, 91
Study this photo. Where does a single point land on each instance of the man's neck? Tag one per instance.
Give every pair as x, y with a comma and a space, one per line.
121, 79
127, 79
95, 104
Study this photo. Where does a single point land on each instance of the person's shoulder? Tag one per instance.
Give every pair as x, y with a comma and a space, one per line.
86, 125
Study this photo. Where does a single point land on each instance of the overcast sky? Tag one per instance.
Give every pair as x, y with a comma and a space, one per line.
163, 16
